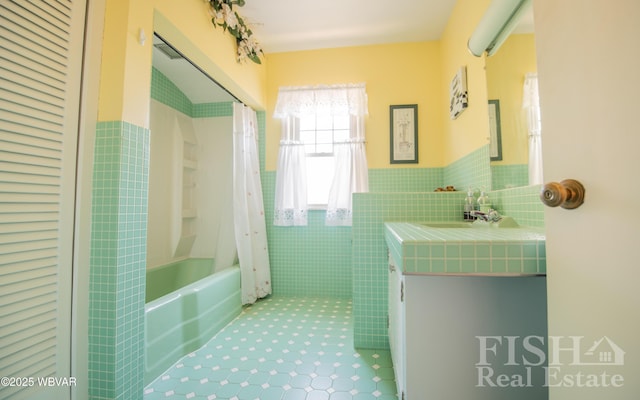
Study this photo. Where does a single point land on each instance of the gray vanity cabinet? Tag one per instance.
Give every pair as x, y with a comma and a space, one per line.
396, 324
442, 329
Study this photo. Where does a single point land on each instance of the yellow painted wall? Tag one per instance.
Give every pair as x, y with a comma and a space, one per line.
187, 25
125, 79
405, 73
126, 64
402, 73
505, 78
470, 130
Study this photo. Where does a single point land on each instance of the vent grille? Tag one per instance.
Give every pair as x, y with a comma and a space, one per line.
168, 51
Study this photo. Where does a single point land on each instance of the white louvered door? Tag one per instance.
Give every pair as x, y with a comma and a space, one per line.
40, 76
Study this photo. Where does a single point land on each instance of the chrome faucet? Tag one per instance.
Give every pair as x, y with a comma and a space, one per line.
490, 216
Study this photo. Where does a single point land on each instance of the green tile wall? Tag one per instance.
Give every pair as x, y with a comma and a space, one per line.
118, 261
509, 176
310, 261
405, 179
522, 203
261, 116
369, 252
204, 110
166, 92
313, 260
471, 170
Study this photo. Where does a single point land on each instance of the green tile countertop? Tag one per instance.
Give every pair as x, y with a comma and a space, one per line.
422, 250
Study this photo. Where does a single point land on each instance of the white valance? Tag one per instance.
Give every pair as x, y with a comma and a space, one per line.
334, 100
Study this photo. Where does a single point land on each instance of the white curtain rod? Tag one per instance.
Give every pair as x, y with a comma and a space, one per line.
322, 87
496, 24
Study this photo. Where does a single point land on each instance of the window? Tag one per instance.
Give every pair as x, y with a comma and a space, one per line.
323, 132
319, 135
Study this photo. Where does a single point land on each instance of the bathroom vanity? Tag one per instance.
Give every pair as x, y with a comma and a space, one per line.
467, 311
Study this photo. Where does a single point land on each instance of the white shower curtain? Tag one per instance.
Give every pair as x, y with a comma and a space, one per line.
248, 207
531, 106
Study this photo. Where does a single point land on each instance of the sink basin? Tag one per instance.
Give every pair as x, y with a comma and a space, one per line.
505, 222
447, 224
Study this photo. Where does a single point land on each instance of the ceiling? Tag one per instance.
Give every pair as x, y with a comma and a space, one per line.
292, 25
288, 25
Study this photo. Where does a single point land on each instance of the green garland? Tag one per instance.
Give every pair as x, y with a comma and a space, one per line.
223, 15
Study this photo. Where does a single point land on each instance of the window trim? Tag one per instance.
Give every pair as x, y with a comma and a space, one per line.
298, 123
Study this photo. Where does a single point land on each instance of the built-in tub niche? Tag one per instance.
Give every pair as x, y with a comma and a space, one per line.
190, 173
184, 232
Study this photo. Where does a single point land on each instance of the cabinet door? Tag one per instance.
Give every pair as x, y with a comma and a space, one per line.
396, 324
41, 55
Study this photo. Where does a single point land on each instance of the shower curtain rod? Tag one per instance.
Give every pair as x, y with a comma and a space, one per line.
217, 83
200, 69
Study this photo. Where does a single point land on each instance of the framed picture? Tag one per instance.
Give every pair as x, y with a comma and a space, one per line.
458, 97
495, 131
404, 134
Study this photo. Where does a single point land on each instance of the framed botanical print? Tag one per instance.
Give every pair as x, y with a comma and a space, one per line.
404, 134
495, 134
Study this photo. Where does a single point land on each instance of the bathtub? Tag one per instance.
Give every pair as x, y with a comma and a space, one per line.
185, 308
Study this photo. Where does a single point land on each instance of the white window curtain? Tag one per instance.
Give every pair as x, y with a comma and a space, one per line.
531, 107
291, 178
334, 100
351, 166
248, 208
351, 175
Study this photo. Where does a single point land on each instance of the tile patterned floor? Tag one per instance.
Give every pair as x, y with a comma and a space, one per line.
282, 349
